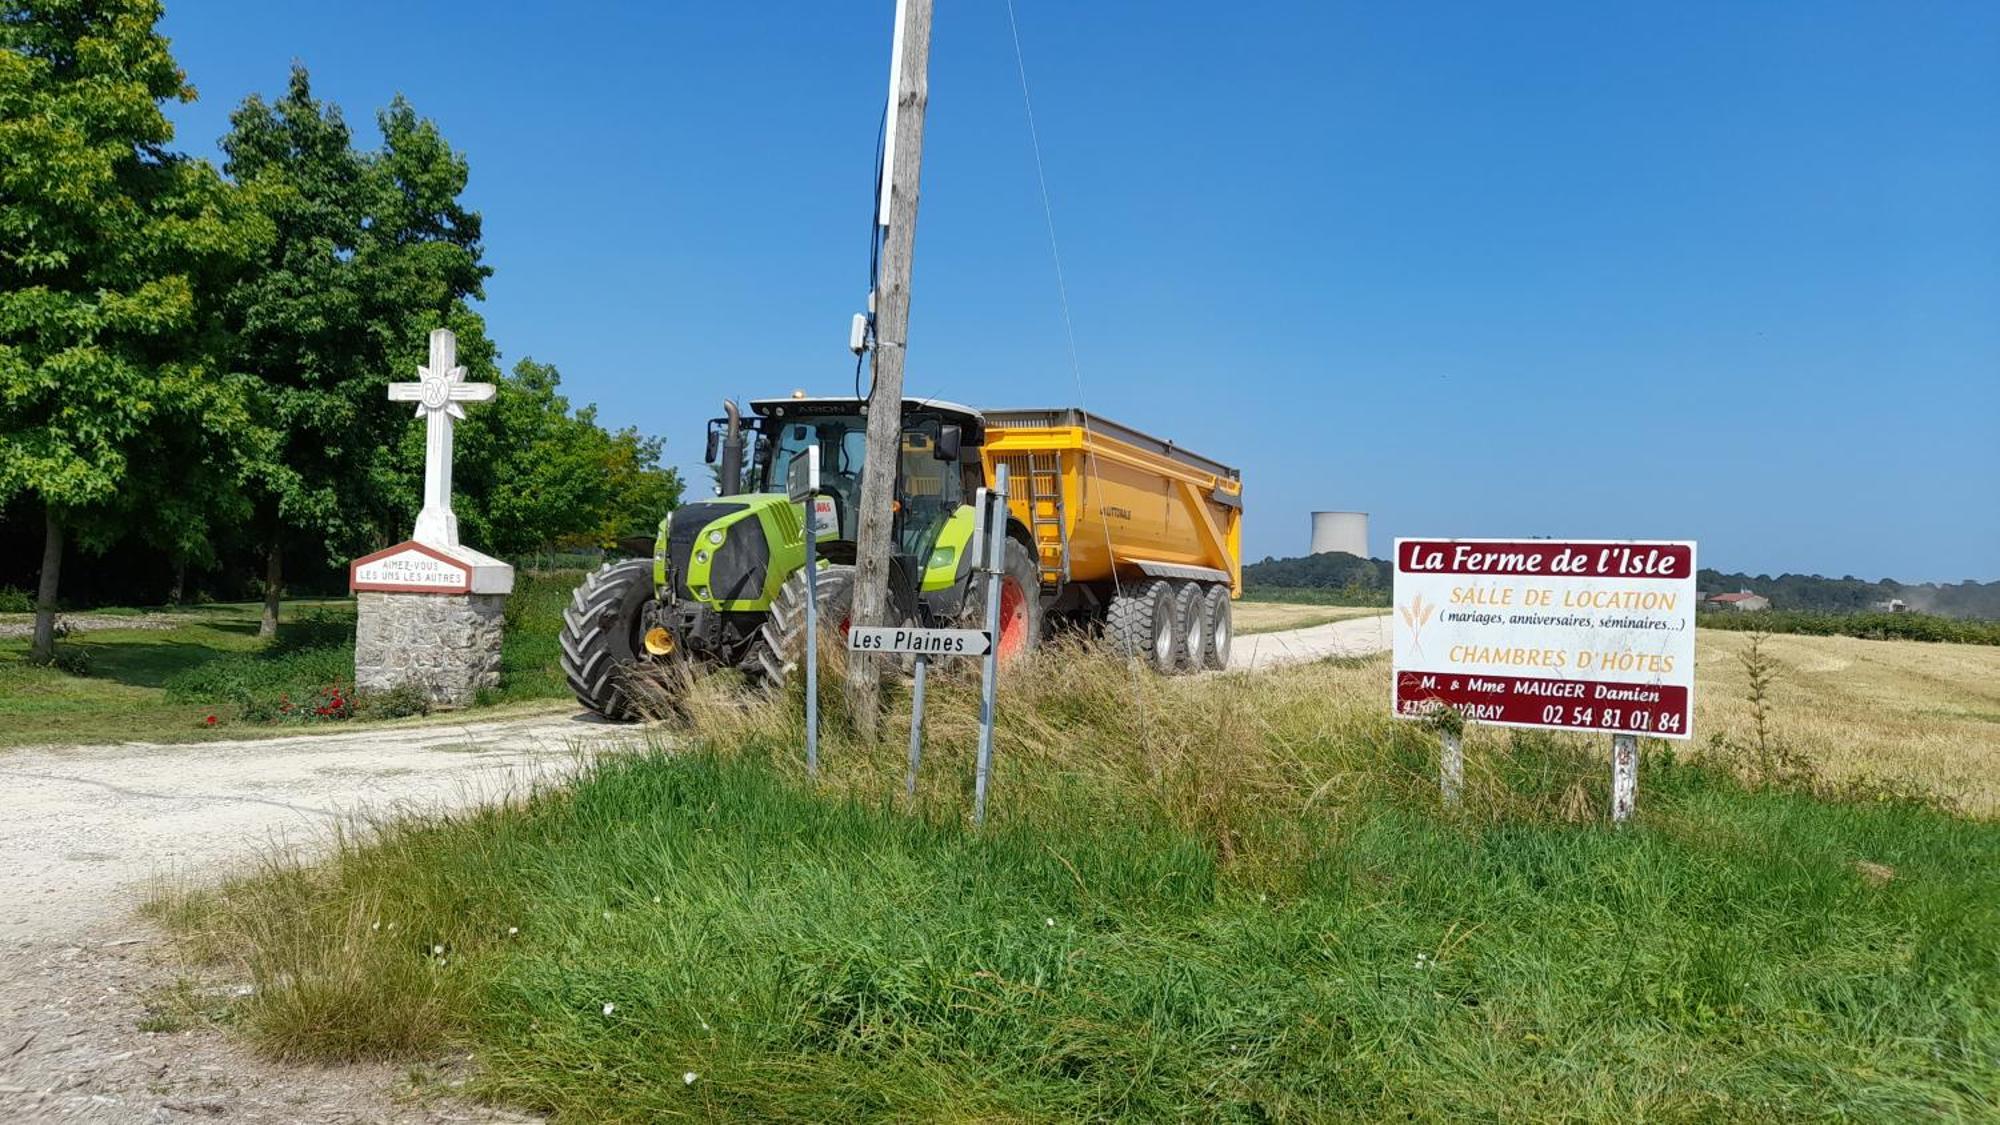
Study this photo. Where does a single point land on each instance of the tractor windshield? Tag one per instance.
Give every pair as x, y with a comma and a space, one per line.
928, 490
842, 441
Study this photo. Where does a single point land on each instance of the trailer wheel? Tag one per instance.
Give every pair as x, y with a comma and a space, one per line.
1187, 615
600, 636
1214, 629
1142, 624
1020, 629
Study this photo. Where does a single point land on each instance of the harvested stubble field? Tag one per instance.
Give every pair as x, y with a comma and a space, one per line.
1222, 898
1916, 715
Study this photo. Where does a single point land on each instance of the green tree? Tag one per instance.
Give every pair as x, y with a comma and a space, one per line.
529, 472
371, 251
105, 237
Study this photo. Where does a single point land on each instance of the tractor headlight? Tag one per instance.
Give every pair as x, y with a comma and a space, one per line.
942, 557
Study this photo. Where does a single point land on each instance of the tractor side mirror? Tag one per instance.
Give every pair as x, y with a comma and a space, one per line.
948, 440
714, 443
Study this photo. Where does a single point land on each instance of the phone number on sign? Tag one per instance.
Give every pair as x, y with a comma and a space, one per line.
1623, 708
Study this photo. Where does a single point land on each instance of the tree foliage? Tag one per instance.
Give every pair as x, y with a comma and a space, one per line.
372, 250
197, 358
531, 472
106, 238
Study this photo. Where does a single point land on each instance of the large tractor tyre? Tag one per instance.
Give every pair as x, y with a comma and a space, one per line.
780, 648
1020, 628
1141, 623
781, 643
1215, 629
1187, 614
601, 637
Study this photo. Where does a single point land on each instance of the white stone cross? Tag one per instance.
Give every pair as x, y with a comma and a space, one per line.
438, 395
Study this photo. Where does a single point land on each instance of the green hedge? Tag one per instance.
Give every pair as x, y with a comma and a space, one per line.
1869, 626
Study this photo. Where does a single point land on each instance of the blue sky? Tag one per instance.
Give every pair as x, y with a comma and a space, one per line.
1727, 272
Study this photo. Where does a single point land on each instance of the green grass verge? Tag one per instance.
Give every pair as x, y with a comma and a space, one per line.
1271, 924
162, 684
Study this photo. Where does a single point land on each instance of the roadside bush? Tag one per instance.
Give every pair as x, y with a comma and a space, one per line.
16, 601
530, 652
401, 701
266, 686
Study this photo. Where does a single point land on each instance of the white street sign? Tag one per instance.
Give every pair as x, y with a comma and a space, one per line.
918, 642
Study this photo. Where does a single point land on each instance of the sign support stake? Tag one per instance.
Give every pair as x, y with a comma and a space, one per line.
996, 556
1624, 776
810, 488
917, 723
1451, 769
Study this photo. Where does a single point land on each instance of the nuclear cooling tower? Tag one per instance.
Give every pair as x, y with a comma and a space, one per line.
1340, 531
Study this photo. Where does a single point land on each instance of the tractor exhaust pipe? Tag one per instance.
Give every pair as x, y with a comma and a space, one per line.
730, 475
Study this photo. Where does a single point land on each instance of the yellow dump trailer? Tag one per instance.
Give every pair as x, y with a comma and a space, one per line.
1128, 529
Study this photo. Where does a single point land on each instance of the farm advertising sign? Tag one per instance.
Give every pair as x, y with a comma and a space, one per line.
1587, 635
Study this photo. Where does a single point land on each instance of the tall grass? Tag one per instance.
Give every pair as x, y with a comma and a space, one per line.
1218, 898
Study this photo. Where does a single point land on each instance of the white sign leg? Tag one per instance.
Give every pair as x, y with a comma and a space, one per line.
1451, 769
1624, 776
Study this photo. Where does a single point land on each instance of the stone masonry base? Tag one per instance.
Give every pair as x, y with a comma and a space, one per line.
448, 644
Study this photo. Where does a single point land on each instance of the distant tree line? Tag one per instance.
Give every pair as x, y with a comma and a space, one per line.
1810, 593
1333, 578
1346, 579
194, 358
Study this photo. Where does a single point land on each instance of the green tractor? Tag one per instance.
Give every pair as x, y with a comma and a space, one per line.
726, 586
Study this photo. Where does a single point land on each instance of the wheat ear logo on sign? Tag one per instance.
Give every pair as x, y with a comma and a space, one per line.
1416, 615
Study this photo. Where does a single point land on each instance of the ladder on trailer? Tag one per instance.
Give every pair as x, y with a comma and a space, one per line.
1047, 520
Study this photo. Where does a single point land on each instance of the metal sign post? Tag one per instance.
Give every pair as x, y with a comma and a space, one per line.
996, 556
922, 644
802, 484
916, 724
1624, 776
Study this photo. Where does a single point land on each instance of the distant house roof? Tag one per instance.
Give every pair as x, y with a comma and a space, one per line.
1743, 597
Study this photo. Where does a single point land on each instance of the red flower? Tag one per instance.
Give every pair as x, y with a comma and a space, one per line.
210, 721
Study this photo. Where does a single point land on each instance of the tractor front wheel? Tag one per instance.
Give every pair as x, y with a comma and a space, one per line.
601, 637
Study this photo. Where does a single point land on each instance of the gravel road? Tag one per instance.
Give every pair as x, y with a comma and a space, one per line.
87, 829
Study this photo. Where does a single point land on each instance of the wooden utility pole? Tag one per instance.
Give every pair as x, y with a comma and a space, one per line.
909, 70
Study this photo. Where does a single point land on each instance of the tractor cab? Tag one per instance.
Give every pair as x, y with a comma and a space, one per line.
935, 479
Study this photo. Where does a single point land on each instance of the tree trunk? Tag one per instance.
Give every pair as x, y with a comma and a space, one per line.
44, 647
179, 588
274, 586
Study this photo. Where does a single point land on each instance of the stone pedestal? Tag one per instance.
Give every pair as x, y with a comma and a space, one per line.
430, 616
447, 644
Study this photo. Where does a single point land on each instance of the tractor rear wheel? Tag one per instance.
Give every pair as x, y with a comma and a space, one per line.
1020, 626
601, 637
1141, 623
